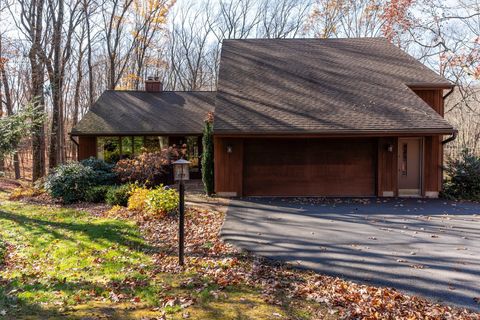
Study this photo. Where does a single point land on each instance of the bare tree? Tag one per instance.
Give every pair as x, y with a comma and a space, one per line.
188, 45
282, 19
119, 45
55, 61
31, 25
149, 17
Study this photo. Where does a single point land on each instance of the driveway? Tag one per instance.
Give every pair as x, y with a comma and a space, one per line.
429, 248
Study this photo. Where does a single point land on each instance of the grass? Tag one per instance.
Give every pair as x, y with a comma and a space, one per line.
62, 263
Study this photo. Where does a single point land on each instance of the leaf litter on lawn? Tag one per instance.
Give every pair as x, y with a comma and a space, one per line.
207, 256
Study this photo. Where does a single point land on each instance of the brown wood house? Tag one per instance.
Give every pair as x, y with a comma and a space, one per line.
327, 117
296, 117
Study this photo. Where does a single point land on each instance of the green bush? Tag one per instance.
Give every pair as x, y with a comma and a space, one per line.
463, 177
96, 194
161, 201
104, 174
70, 181
118, 195
207, 156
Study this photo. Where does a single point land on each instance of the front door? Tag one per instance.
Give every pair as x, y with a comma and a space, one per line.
409, 166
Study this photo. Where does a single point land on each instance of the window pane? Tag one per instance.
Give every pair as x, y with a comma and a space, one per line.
404, 159
155, 143
127, 147
163, 142
108, 149
192, 153
138, 145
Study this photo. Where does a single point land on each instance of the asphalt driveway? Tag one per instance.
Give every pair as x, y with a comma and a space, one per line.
429, 248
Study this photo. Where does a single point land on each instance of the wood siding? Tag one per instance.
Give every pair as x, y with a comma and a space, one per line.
433, 97
87, 147
228, 166
433, 164
387, 167
309, 167
433, 149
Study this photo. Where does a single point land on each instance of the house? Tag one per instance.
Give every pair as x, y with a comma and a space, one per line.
304, 117
122, 124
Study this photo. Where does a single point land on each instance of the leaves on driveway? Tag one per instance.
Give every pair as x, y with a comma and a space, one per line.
209, 257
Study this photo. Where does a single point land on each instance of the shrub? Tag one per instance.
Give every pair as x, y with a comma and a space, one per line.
70, 181
96, 194
463, 177
207, 155
161, 201
104, 174
149, 169
118, 195
138, 198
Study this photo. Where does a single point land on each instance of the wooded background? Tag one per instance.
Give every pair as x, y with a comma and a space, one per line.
61, 55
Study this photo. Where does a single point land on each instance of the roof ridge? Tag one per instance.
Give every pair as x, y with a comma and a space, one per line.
307, 38
168, 91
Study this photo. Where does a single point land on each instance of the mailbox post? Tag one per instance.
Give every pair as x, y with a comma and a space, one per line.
181, 173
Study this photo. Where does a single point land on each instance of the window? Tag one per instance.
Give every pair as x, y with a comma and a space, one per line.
155, 143
193, 153
108, 149
112, 149
404, 158
127, 147
138, 145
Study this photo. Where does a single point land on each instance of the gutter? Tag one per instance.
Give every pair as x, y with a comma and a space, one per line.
448, 93
451, 138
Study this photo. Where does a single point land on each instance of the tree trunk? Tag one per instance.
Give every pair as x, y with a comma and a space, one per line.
38, 137
9, 107
37, 97
89, 55
56, 137
76, 97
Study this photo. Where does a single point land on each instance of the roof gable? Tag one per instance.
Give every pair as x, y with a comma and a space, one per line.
322, 86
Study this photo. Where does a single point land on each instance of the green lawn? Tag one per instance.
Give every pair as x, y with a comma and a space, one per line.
62, 263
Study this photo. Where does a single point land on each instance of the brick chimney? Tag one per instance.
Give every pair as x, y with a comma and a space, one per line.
153, 84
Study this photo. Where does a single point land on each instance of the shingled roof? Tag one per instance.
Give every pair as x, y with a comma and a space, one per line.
140, 112
322, 86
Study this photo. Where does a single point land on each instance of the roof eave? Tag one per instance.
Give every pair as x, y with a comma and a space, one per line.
147, 133
337, 133
446, 85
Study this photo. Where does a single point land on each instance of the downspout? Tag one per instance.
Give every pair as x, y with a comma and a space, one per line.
448, 93
444, 142
451, 138
455, 132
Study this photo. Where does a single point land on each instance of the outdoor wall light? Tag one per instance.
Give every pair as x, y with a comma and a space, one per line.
229, 149
390, 147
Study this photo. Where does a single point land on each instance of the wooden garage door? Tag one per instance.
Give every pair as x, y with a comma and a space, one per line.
309, 167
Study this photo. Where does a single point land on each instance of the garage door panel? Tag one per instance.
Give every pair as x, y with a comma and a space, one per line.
309, 167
